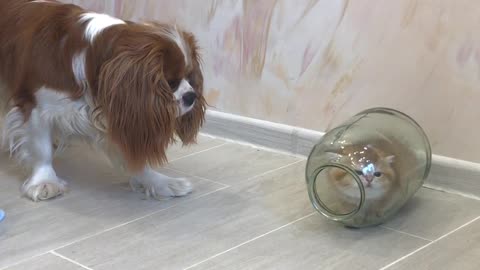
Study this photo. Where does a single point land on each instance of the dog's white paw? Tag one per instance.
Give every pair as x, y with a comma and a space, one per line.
179, 187
162, 188
44, 189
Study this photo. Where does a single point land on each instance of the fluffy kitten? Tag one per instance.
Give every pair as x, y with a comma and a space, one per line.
381, 182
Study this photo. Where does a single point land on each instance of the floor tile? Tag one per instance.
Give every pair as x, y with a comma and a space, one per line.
315, 243
177, 238
431, 214
176, 151
459, 250
231, 164
46, 262
99, 198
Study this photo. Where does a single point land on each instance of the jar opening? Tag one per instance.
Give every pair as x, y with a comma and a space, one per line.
336, 191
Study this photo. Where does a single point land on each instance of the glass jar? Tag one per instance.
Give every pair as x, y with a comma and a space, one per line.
362, 172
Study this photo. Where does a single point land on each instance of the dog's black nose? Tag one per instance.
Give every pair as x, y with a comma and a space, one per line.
189, 98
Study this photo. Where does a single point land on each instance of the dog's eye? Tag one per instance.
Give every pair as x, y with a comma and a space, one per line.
377, 174
191, 81
174, 84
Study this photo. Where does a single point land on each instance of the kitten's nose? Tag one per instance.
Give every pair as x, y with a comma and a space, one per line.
189, 98
369, 180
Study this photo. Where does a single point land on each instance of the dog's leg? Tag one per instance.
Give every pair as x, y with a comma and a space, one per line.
31, 143
160, 186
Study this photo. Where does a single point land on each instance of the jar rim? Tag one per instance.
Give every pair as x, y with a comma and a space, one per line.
321, 207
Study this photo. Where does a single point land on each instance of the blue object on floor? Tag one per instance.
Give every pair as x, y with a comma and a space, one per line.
2, 214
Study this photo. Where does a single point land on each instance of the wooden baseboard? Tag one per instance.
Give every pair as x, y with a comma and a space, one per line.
447, 174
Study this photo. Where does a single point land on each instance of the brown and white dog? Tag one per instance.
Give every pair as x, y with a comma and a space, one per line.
68, 73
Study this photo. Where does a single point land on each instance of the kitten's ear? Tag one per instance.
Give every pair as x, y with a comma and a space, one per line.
332, 156
390, 159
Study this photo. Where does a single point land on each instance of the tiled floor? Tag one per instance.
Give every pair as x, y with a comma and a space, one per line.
249, 210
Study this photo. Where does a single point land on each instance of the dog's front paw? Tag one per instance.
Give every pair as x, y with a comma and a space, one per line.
161, 187
44, 190
179, 187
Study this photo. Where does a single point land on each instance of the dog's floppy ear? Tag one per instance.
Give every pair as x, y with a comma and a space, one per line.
138, 105
189, 124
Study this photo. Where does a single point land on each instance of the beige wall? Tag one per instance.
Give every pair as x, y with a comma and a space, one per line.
313, 63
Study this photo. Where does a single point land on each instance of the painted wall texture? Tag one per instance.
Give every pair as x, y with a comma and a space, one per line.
314, 63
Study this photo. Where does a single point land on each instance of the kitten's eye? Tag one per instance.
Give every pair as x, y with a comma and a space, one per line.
174, 84
359, 172
377, 174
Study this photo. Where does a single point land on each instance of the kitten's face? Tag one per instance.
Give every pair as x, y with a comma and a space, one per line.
374, 169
